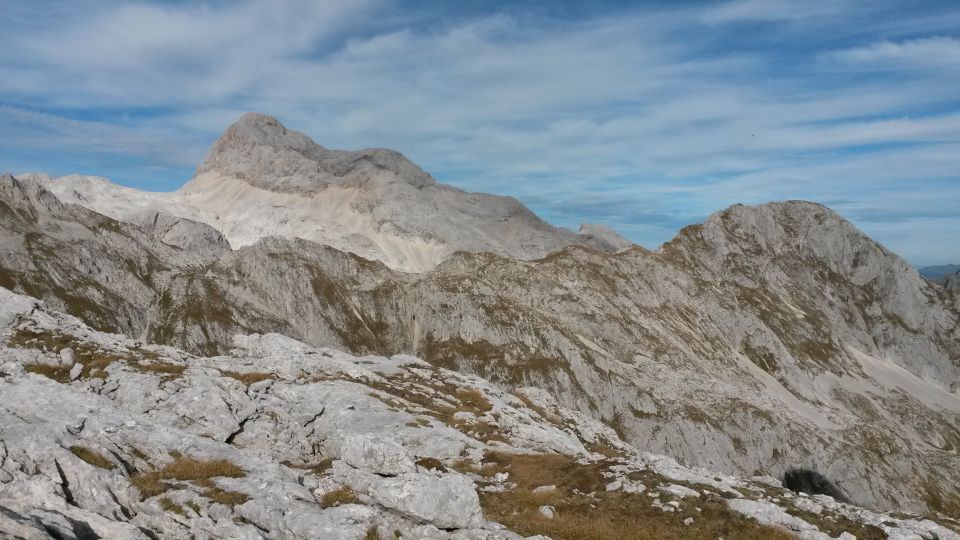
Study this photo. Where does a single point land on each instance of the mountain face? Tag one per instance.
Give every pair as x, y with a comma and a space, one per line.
939, 273
766, 338
104, 437
261, 179
827, 353
952, 282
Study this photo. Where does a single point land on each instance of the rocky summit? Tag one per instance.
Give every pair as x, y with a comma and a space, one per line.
304, 342
261, 179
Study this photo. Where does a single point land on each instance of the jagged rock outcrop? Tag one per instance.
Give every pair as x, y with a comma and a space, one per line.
261, 151
179, 232
767, 338
261, 179
278, 439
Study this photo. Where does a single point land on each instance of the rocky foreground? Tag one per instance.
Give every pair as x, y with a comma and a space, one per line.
105, 437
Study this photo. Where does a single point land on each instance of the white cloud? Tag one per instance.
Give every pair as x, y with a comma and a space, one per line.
641, 111
38, 131
932, 51
769, 10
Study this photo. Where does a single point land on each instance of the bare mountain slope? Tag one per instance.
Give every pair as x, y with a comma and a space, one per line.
768, 337
105, 437
261, 179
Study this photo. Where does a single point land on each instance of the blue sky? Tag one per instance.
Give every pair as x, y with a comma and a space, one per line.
644, 116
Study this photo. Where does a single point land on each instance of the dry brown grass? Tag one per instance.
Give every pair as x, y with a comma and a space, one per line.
94, 361
440, 400
316, 468
186, 469
94, 458
165, 370
604, 515
56, 373
538, 409
343, 495
226, 498
170, 506
431, 464
247, 378
473, 400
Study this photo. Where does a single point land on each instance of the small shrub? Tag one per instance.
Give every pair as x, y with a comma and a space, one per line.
91, 457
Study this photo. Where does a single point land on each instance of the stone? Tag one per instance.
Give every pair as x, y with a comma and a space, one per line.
771, 514
261, 386
616, 485
375, 453
76, 371
446, 502
66, 357
680, 491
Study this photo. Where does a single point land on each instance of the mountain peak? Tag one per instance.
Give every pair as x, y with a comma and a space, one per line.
260, 150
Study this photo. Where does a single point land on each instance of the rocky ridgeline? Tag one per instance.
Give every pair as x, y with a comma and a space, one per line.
261, 179
766, 338
103, 436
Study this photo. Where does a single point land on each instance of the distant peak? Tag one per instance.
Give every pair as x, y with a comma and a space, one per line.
604, 236
258, 149
255, 118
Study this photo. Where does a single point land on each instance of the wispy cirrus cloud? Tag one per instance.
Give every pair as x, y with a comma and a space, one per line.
645, 119
922, 53
770, 10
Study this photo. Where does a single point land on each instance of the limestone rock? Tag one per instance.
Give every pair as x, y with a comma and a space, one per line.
165, 444
375, 453
180, 232
604, 236
75, 371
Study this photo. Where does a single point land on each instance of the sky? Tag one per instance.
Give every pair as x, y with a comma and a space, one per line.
645, 116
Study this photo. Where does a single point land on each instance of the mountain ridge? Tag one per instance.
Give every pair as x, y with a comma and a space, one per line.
260, 178
801, 362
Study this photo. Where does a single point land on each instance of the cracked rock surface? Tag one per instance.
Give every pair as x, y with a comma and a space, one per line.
278, 439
